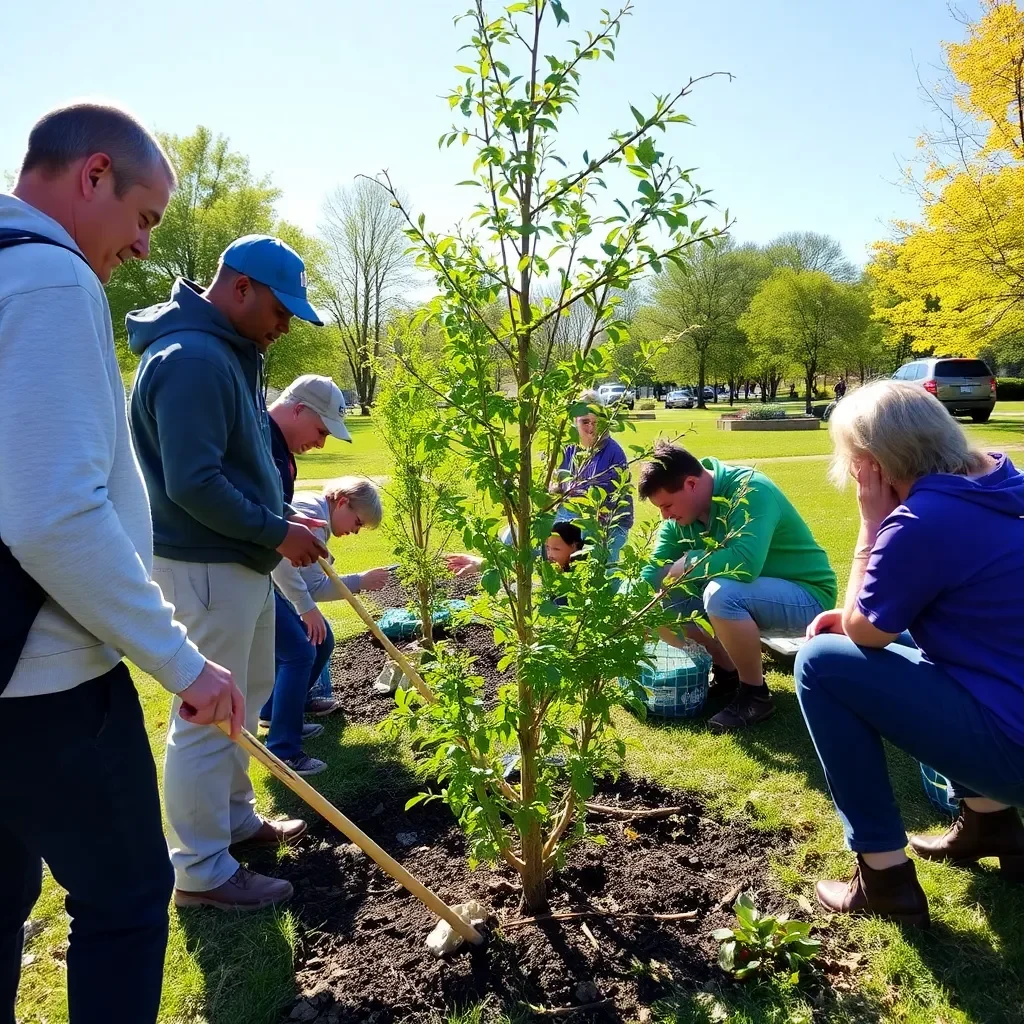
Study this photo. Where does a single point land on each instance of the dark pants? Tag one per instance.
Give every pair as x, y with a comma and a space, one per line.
854, 697
78, 790
297, 667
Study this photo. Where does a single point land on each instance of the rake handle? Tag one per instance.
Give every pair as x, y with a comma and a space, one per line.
396, 655
348, 828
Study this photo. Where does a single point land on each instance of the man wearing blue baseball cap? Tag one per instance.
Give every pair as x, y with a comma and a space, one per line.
202, 436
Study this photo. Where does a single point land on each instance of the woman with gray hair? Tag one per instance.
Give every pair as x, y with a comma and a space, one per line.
597, 461
928, 649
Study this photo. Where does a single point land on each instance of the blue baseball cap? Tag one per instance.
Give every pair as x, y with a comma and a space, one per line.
276, 264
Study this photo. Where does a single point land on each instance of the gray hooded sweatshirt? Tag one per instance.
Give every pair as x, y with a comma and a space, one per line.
73, 506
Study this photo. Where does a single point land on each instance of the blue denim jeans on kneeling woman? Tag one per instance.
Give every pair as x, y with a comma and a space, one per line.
854, 697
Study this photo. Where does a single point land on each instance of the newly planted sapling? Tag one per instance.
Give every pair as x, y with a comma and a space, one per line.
546, 240
760, 945
424, 478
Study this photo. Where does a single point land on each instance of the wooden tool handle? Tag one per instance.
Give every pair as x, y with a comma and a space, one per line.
323, 806
400, 659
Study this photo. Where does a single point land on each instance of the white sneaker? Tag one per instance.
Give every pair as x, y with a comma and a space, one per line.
305, 765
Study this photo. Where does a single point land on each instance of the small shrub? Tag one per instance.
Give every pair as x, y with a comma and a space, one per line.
759, 946
765, 412
1010, 389
646, 404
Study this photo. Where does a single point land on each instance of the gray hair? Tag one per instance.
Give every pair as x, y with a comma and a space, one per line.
79, 130
906, 430
361, 494
591, 398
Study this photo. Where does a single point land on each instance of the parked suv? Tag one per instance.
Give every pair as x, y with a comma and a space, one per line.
617, 394
963, 386
681, 398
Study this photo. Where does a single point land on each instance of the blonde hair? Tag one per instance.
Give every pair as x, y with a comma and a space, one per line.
362, 494
906, 430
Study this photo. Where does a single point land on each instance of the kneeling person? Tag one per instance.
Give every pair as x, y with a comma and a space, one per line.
303, 638
768, 574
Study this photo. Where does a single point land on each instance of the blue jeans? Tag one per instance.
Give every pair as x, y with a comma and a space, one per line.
78, 790
297, 666
779, 607
854, 697
322, 689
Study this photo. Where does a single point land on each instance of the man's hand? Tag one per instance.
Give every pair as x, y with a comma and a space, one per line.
213, 697
300, 547
827, 622
681, 566
308, 521
374, 579
316, 626
462, 564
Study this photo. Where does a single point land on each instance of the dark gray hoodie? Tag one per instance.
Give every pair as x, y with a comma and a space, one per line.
202, 435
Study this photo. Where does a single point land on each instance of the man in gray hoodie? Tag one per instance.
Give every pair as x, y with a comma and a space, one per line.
78, 785
220, 523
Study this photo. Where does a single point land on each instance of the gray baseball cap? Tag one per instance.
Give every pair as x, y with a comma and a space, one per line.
324, 397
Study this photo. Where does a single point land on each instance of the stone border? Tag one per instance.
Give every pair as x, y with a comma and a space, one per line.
789, 423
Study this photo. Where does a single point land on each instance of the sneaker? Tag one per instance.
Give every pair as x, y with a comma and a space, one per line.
753, 704
244, 890
322, 706
311, 729
723, 680
269, 834
304, 765
264, 723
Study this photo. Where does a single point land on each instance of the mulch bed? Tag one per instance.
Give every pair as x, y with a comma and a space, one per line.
362, 955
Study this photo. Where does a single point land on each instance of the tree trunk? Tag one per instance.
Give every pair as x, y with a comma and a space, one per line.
809, 380
426, 615
701, 365
732, 389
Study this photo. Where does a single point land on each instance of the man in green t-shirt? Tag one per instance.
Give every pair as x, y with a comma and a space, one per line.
764, 573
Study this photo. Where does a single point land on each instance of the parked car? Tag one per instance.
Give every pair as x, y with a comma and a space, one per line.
682, 398
617, 394
709, 393
963, 386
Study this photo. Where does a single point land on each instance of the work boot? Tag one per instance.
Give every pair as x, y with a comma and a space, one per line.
753, 704
893, 893
269, 834
245, 890
975, 835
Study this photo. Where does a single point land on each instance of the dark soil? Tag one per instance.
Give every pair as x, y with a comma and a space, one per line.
362, 955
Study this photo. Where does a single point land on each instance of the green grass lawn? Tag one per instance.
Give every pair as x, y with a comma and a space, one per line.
968, 968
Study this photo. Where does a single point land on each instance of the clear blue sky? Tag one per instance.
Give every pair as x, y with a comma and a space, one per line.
809, 135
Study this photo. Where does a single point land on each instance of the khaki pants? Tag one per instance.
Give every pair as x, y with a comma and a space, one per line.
228, 611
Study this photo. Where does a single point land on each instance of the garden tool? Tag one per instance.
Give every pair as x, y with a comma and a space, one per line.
456, 925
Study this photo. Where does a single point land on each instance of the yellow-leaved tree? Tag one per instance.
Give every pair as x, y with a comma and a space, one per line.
954, 281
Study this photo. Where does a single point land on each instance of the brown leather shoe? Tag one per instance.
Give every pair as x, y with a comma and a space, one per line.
244, 890
975, 835
893, 893
270, 833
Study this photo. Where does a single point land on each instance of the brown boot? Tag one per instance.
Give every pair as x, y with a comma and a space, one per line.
974, 835
244, 890
893, 893
270, 833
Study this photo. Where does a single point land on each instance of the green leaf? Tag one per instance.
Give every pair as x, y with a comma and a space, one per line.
560, 15
417, 799
640, 119
727, 956
490, 581
524, 262
646, 153
464, 69
721, 934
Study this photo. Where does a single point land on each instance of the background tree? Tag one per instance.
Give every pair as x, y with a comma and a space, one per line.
957, 275
810, 250
696, 305
805, 317
364, 276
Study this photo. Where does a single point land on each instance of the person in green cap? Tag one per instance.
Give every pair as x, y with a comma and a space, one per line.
767, 573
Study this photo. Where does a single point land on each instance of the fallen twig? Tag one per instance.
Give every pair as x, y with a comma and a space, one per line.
732, 894
629, 813
688, 915
564, 1011
590, 935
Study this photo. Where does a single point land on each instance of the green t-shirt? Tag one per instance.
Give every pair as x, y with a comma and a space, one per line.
776, 542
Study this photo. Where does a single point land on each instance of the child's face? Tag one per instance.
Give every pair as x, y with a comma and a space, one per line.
587, 428
343, 520
558, 551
